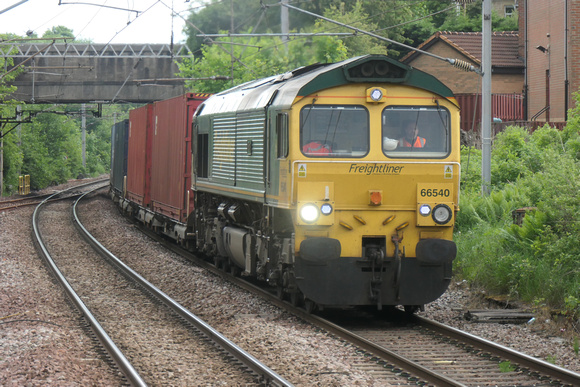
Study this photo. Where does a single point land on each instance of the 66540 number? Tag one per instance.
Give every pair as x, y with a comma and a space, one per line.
434, 192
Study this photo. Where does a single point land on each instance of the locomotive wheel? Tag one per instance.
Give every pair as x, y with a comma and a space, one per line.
280, 292
296, 298
309, 306
234, 270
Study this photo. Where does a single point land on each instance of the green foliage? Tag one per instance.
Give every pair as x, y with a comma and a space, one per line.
468, 19
361, 44
251, 62
12, 162
540, 171
52, 152
408, 22
49, 149
506, 366
58, 32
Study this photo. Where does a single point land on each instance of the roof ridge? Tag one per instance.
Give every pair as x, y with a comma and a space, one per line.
478, 33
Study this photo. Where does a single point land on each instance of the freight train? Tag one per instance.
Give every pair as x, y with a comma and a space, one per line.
336, 184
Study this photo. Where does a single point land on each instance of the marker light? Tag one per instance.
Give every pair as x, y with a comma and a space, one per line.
326, 209
376, 94
442, 214
309, 213
425, 210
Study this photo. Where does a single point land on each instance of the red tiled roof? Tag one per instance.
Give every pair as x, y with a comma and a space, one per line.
504, 46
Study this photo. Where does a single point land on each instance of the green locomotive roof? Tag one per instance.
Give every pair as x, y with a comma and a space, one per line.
281, 90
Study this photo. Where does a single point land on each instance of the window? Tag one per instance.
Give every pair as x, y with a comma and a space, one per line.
202, 155
509, 10
334, 131
282, 134
416, 131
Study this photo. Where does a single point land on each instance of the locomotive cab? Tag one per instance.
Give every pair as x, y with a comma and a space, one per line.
375, 209
337, 184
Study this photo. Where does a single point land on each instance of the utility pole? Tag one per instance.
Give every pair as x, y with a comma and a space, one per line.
232, 41
1, 159
84, 132
284, 23
486, 99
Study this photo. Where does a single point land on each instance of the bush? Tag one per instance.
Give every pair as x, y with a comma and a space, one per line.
537, 260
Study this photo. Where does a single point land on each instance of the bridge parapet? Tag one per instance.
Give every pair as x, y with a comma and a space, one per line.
103, 73
74, 50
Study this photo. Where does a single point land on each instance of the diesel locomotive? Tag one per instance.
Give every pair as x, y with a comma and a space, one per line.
337, 184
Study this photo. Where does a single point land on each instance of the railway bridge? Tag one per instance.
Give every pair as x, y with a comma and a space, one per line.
95, 73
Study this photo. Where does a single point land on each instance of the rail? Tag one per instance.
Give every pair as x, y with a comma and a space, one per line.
116, 354
267, 375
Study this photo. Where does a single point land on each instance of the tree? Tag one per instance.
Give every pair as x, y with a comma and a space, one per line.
256, 58
10, 158
248, 15
52, 150
59, 32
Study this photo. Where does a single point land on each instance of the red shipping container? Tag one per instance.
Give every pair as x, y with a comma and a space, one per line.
139, 155
171, 193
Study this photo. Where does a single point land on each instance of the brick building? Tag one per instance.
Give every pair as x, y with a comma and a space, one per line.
508, 75
550, 45
507, 67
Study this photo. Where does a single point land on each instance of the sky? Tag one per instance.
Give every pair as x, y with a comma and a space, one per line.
92, 20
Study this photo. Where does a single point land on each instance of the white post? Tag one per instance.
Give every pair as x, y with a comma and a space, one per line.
486, 99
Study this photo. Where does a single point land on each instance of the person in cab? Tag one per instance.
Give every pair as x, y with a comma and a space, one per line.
411, 137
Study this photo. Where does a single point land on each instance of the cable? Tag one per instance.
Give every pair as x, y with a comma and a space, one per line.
455, 62
128, 24
209, 39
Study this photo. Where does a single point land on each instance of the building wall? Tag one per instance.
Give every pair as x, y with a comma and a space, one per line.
499, 6
462, 82
573, 49
544, 23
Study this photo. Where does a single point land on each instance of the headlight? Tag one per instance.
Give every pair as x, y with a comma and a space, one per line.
309, 213
442, 214
425, 210
326, 209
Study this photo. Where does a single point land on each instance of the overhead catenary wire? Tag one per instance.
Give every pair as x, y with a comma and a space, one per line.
458, 63
209, 39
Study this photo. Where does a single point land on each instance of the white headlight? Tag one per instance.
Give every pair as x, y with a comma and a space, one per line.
326, 209
309, 213
442, 214
425, 210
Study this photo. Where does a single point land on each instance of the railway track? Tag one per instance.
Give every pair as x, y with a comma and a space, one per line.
28, 201
452, 358
423, 351
117, 304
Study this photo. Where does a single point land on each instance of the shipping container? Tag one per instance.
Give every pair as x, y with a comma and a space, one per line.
171, 193
139, 151
119, 145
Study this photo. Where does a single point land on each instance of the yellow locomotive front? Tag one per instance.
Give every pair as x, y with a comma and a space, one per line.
335, 183
375, 185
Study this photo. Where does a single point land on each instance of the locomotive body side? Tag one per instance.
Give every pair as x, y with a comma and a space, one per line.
300, 181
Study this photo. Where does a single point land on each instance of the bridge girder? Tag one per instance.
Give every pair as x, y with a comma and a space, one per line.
101, 73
